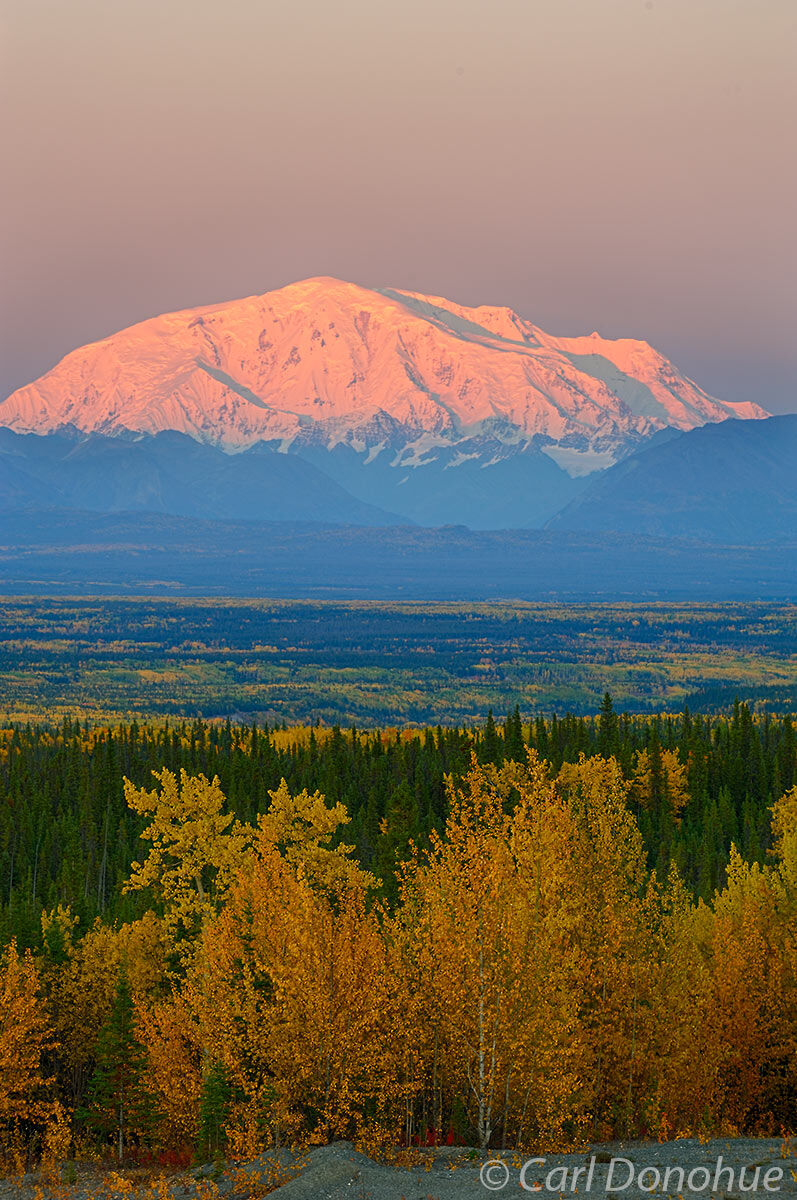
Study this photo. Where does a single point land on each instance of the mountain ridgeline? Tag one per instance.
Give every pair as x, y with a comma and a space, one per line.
423, 410
324, 362
733, 482
729, 483
337, 409
170, 473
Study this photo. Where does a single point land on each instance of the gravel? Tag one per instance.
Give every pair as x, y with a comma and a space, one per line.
636, 1170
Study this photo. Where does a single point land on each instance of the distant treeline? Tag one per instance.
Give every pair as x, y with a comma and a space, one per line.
378, 665
67, 836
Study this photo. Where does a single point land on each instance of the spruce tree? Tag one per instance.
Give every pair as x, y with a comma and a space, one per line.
401, 823
490, 749
214, 1108
513, 737
607, 728
117, 1099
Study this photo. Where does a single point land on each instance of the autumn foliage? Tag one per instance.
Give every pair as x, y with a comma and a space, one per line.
527, 978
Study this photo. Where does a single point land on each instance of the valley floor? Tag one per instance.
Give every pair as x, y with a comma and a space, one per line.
397, 663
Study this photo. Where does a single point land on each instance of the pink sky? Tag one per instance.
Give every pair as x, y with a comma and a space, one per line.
625, 165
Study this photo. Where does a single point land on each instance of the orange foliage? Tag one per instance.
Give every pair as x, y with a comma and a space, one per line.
25, 1037
535, 983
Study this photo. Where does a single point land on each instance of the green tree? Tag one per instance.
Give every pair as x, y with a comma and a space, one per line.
490, 748
513, 737
118, 1103
607, 728
214, 1109
400, 824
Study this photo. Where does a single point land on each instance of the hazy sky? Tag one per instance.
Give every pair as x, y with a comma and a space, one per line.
621, 165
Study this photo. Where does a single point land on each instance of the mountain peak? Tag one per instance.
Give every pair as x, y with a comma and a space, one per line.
327, 362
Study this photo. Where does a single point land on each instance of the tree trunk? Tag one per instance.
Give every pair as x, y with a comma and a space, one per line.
121, 1121
484, 1132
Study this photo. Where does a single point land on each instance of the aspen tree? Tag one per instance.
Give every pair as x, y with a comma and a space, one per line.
25, 1038
496, 971
196, 849
169, 1033
302, 827
618, 900
82, 992
292, 986
685, 1057
746, 977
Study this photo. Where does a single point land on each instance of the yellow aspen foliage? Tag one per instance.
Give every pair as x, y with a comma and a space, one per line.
56, 1143
343, 1020
230, 992
534, 984
686, 1058
260, 950
673, 784
618, 901
676, 783
58, 932
745, 1018
170, 1035
25, 1037
196, 849
301, 826
480, 926
82, 991
784, 840
229, 1005
295, 997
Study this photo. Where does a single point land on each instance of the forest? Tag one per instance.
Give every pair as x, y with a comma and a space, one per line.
378, 663
219, 938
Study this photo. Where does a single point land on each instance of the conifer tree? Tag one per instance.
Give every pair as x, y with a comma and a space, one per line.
515, 749
491, 751
118, 1103
607, 728
214, 1107
399, 826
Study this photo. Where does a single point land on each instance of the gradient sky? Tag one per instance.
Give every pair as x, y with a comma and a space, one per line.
621, 165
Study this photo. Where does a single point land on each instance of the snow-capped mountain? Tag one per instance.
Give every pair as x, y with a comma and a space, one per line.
392, 378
